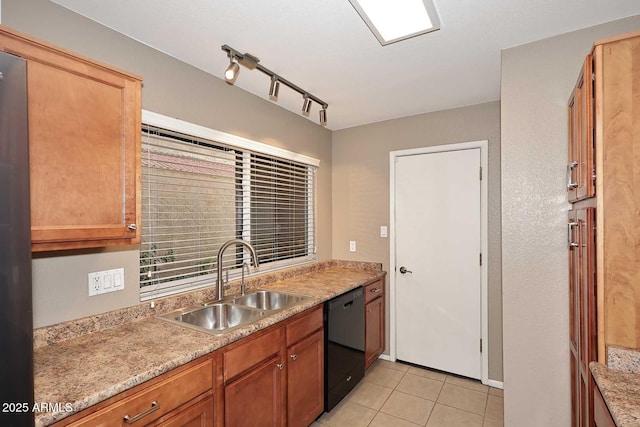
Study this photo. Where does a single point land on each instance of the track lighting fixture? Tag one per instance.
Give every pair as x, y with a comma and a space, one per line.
323, 116
274, 88
249, 61
306, 105
232, 71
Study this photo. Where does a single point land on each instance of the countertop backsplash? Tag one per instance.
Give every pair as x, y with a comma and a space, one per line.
78, 327
623, 359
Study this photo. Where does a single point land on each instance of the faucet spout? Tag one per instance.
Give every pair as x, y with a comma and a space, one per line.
225, 245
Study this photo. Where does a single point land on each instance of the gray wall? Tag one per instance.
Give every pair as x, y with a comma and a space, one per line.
361, 190
537, 79
174, 89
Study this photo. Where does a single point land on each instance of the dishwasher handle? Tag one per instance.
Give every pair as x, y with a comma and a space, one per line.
347, 300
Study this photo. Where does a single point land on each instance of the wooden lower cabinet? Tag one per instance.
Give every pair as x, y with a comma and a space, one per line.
198, 415
272, 378
275, 377
305, 380
182, 397
601, 413
374, 318
256, 399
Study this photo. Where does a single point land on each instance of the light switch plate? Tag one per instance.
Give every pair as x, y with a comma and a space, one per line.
101, 282
383, 231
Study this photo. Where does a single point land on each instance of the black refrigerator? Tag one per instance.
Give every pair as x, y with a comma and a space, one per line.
16, 318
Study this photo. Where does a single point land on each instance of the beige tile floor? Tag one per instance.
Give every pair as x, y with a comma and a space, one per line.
398, 395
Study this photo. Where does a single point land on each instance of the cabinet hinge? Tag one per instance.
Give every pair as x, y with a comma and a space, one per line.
480, 345
480, 173
480, 258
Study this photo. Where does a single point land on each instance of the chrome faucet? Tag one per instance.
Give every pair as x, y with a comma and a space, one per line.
224, 246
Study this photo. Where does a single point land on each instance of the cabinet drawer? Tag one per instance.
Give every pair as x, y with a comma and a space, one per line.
157, 400
304, 326
251, 352
373, 291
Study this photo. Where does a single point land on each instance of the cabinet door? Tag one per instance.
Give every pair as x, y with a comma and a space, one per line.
257, 398
305, 380
582, 294
581, 165
586, 221
84, 148
574, 141
574, 316
198, 415
374, 330
586, 159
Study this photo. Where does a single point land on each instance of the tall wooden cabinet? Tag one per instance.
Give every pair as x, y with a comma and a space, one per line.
603, 183
582, 311
84, 147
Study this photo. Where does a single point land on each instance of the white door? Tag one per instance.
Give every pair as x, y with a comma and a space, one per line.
438, 242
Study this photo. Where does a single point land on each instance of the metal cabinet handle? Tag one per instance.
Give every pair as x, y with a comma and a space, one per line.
403, 270
368, 310
570, 241
281, 366
154, 407
132, 227
294, 356
570, 184
378, 290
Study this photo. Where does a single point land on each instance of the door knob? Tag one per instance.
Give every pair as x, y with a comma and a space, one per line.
403, 270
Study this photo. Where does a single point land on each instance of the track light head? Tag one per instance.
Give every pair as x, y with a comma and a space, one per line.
306, 105
323, 115
274, 88
232, 71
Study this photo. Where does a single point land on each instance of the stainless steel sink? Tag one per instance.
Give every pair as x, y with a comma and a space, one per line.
269, 300
217, 318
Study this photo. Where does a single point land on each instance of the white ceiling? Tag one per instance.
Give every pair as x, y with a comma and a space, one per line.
325, 48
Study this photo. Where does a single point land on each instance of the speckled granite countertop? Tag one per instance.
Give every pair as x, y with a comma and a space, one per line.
621, 392
90, 368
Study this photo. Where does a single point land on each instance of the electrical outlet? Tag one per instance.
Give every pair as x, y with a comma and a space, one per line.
101, 282
95, 284
352, 246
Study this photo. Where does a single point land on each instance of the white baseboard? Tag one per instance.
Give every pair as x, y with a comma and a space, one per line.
496, 384
382, 356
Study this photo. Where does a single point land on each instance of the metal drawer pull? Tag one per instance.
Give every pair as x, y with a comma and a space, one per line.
570, 241
281, 366
294, 356
570, 184
133, 227
154, 407
376, 290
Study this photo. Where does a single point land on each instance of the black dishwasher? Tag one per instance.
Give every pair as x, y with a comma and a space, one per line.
344, 345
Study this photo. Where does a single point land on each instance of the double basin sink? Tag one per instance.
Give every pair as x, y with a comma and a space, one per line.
220, 317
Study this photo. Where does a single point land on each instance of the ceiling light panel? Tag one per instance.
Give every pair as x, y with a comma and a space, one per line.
392, 21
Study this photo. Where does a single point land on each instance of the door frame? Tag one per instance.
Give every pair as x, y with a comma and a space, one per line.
483, 145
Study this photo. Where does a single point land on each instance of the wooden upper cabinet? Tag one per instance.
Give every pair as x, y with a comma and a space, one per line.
581, 166
84, 147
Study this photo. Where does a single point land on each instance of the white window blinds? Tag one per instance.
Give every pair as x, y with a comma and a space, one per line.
199, 193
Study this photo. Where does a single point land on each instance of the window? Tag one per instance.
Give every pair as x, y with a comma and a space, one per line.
202, 188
